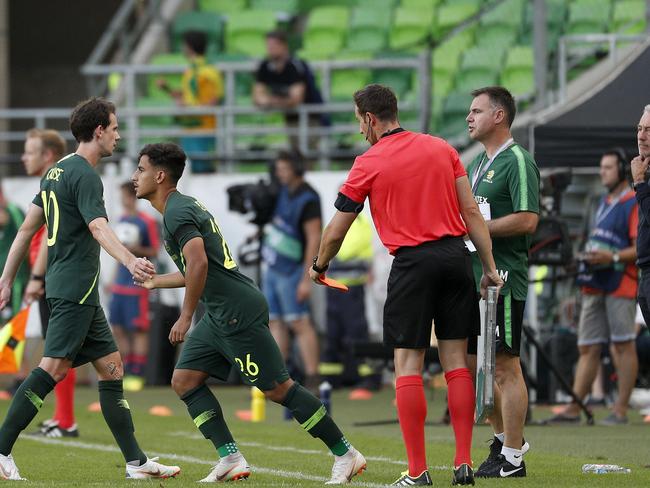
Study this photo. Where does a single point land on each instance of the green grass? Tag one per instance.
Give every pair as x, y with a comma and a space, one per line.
280, 451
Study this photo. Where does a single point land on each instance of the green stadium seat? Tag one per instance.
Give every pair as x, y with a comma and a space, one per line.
519, 71
326, 30
155, 121
288, 7
452, 14
308, 5
589, 16
498, 36
556, 19
208, 22
454, 111
221, 6
508, 14
368, 29
411, 27
628, 14
479, 67
425, 7
377, 4
245, 32
346, 81
172, 79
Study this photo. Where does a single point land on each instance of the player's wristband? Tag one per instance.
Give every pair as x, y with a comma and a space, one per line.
37, 277
315, 267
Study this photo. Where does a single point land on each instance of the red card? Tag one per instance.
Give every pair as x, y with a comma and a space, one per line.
337, 285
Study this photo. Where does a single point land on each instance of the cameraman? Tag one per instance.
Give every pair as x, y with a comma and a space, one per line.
608, 279
290, 240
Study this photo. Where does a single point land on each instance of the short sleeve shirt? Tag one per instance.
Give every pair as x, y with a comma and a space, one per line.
279, 81
72, 196
510, 185
410, 181
232, 299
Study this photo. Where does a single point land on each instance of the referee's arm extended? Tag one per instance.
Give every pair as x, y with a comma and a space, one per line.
334, 234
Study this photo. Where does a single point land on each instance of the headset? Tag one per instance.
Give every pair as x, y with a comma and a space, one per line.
623, 168
296, 161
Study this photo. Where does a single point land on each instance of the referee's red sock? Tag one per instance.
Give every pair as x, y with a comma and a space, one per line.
412, 411
64, 392
461, 400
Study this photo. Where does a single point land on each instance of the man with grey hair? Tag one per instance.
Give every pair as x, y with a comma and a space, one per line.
640, 178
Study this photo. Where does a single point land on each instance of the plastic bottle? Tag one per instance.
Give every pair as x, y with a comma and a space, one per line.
325, 393
258, 405
604, 468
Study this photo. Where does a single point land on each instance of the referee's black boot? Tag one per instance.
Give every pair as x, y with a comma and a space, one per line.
463, 475
405, 480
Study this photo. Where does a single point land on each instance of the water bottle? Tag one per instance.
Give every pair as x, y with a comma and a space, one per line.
325, 393
604, 468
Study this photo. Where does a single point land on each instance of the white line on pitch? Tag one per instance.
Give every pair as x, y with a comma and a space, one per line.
191, 459
302, 451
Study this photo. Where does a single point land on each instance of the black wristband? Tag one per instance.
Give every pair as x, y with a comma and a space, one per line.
37, 277
316, 268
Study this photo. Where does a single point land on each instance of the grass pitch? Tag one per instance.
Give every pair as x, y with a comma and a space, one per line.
281, 454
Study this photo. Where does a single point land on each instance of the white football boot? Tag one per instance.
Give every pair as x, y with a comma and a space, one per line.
347, 466
232, 467
151, 469
8, 469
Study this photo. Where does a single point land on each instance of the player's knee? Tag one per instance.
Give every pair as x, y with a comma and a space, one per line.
279, 393
508, 372
182, 383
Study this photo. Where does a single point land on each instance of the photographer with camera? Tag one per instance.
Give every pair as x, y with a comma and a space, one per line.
290, 240
608, 279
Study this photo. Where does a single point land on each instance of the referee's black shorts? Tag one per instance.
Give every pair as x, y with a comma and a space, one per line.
432, 281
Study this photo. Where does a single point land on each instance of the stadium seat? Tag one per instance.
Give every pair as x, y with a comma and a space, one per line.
479, 67
308, 5
284, 8
172, 79
377, 4
452, 14
368, 29
155, 121
245, 32
399, 79
508, 15
346, 81
421, 5
222, 6
208, 22
556, 19
454, 111
628, 15
411, 27
588, 16
326, 30
518, 73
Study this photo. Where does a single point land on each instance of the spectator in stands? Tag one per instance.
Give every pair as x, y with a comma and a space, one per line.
608, 279
290, 240
202, 85
43, 148
129, 307
283, 82
346, 314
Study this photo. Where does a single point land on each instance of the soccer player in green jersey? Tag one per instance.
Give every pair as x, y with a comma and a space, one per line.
234, 329
505, 184
71, 204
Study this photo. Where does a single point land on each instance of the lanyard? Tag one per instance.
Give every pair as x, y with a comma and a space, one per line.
604, 210
478, 174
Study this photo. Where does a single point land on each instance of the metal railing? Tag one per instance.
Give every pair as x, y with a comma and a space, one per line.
564, 64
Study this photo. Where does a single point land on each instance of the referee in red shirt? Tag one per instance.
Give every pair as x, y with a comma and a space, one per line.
418, 191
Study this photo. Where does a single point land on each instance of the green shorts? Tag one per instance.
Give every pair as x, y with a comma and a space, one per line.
252, 350
76, 332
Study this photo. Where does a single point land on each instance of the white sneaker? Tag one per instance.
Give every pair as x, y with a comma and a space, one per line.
151, 469
8, 469
232, 467
347, 466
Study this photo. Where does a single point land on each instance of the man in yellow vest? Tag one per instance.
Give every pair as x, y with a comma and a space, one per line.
346, 314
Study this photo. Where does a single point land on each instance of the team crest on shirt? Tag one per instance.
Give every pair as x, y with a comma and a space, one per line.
489, 176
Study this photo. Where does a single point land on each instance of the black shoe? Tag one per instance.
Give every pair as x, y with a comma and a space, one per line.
405, 480
501, 468
495, 450
463, 475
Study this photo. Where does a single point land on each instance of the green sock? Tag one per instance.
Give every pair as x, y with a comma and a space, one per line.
117, 414
25, 405
313, 417
206, 412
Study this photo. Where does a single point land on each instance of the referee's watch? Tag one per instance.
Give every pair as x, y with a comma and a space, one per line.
616, 258
315, 267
